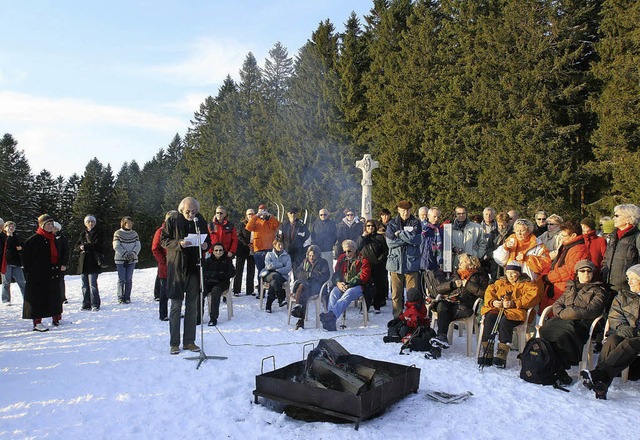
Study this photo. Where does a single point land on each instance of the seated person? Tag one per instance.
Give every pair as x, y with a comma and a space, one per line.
622, 345
573, 312
277, 265
352, 273
512, 295
218, 271
454, 298
309, 276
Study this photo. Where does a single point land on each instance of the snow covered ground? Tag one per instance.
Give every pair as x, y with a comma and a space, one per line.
108, 374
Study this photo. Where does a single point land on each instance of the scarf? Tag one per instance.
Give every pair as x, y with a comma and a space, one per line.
350, 223
52, 244
621, 232
465, 274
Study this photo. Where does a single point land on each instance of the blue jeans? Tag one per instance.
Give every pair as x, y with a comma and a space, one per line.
259, 258
90, 293
125, 277
12, 272
339, 300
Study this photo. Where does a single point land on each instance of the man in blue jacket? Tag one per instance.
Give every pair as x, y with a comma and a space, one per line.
403, 237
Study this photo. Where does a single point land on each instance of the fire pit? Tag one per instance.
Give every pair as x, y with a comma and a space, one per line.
336, 383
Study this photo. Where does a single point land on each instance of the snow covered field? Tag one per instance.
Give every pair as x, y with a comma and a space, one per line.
108, 375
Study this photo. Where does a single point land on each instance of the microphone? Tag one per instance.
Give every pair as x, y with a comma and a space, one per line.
195, 222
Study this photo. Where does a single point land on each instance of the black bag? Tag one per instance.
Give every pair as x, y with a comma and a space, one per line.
539, 363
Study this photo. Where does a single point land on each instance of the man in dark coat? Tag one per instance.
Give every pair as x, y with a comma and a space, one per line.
183, 271
295, 236
41, 259
324, 235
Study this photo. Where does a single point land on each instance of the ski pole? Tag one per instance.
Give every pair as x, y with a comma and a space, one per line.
492, 338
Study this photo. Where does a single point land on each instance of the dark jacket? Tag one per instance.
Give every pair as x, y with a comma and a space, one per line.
374, 248
180, 261
244, 239
324, 234
88, 259
580, 301
624, 314
314, 275
495, 239
13, 255
465, 295
42, 296
294, 238
431, 246
346, 232
218, 272
621, 254
64, 252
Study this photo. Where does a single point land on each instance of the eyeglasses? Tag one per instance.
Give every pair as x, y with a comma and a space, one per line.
616, 215
348, 251
350, 214
218, 250
323, 215
194, 212
585, 271
541, 219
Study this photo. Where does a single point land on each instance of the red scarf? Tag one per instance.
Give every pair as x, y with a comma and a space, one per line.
621, 232
465, 274
52, 244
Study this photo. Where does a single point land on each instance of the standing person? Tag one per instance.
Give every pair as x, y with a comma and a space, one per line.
403, 235
431, 242
3, 239
385, 217
218, 271
160, 254
277, 266
350, 228
41, 258
295, 236
623, 250
373, 247
126, 245
495, 240
89, 245
63, 244
244, 255
541, 223
549, 238
264, 227
596, 245
467, 237
11, 262
310, 276
223, 231
488, 222
324, 235
183, 270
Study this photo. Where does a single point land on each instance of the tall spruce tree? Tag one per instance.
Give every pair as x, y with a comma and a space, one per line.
16, 201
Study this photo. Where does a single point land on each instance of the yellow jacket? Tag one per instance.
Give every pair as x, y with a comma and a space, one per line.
524, 293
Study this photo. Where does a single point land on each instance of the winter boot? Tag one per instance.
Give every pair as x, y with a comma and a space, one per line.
598, 386
440, 341
500, 360
486, 361
300, 324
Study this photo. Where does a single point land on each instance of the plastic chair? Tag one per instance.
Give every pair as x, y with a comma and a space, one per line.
360, 303
229, 296
317, 299
264, 286
624, 376
587, 350
470, 324
520, 331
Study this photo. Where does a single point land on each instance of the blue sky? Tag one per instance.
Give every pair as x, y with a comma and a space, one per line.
117, 79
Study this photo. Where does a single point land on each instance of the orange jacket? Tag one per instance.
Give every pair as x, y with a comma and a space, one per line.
562, 269
524, 293
264, 231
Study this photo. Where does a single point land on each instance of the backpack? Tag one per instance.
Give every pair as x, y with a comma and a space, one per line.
539, 364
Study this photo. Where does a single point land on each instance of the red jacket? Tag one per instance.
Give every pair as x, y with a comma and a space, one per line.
563, 269
414, 315
224, 233
353, 272
159, 253
596, 246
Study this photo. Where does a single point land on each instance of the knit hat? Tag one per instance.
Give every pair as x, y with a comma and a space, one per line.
589, 222
634, 270
582, 264
405, 204
513, 265
89, 217
414, 295
607, 226
44, 218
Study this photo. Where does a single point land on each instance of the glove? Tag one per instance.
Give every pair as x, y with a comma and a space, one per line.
625, 331
508, 304
497, 303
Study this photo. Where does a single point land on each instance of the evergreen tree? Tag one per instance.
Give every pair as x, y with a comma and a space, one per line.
16, 201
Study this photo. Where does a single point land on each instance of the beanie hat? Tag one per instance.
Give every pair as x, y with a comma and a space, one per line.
634, 270
582, 264
589, 222
89, 217
513, 265
607, 226
44, 218
414, 295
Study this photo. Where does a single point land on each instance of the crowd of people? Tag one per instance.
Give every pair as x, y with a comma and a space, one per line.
514, 265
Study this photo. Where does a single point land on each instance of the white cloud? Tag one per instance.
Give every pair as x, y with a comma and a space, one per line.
189, 104
206, 61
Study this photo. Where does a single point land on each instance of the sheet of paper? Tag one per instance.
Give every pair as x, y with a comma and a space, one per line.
193, 239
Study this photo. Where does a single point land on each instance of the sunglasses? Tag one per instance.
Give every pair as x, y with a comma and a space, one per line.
371, 226
350, 215
585, 271
218, 212
541, 218
218, 250
348, 251
323, 215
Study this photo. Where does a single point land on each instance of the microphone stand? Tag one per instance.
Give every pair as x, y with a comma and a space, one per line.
202, 355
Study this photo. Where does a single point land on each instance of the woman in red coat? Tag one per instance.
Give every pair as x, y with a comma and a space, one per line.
571, 250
